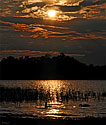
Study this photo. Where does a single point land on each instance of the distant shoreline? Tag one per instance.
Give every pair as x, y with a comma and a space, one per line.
49, 68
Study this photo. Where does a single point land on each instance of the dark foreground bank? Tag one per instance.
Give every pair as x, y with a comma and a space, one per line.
29, 121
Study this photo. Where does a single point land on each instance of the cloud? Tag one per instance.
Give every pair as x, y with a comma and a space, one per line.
79, 26
91, 2
69, 8
38, 4
18, 53
64, 8
92, 29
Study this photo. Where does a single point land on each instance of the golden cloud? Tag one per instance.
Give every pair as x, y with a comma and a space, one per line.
19, 53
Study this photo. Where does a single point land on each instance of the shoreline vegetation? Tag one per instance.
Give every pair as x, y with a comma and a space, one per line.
25, 94
19, 95
47, 67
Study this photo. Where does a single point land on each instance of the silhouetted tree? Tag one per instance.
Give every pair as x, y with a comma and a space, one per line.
47, 67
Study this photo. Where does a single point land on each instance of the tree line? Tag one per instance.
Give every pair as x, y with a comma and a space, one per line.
47, 67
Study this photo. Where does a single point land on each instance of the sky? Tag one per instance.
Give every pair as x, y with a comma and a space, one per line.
78, 29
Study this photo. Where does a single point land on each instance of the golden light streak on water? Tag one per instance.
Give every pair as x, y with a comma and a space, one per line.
62, 102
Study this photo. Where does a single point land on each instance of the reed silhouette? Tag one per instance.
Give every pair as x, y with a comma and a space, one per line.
21, 94
46, 67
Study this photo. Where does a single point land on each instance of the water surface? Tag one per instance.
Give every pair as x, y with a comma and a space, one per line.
64, 98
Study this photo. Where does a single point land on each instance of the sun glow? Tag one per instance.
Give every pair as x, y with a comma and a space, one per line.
51, 13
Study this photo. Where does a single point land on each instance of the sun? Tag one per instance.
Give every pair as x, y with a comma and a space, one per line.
51, 13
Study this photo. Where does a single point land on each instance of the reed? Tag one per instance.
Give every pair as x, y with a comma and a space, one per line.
25, 94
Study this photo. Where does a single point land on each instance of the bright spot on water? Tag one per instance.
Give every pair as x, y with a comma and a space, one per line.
74, 106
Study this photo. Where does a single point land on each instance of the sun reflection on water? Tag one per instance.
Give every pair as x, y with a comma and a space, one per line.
54, 104
52, 112
55, 109
56, 98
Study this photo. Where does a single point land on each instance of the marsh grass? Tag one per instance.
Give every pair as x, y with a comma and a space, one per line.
24, 94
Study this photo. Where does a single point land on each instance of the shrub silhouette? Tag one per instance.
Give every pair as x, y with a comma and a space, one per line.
45, 67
